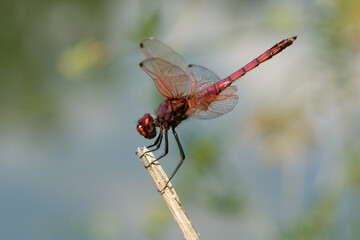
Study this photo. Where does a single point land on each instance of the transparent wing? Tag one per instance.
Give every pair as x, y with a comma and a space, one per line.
201, 78
208, 106
153, 48
170, 80
214, 105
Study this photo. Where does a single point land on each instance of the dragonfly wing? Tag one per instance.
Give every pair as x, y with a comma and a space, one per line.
170, 80
153, 48
201, 78
214, 105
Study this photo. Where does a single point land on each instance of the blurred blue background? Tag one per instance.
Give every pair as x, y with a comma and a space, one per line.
284, 164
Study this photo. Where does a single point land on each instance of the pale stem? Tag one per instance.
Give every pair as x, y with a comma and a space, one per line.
169, 194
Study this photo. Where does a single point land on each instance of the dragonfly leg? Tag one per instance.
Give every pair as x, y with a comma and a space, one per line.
157, 143
182, 154
166, 148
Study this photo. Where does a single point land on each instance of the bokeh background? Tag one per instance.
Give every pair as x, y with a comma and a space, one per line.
284, 164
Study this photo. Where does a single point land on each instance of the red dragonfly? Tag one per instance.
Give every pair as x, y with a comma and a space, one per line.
190, 91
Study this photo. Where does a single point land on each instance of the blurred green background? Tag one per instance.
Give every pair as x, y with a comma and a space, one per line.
284, 164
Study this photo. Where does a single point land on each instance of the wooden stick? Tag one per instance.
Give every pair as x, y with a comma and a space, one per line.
169, 194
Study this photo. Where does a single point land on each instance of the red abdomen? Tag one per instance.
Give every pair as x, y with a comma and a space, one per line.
218, 87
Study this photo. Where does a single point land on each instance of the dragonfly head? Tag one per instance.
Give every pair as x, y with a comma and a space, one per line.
146, 126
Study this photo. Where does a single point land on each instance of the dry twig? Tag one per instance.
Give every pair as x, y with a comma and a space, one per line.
169, 194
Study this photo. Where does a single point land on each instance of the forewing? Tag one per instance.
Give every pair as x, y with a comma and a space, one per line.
153, 48
170, 80
214, 105
200, 78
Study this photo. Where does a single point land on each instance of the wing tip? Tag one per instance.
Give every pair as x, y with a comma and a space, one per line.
143, 41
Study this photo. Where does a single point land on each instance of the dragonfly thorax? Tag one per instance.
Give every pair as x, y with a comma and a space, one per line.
172, 112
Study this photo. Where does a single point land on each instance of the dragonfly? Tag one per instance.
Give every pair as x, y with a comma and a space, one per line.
189, 90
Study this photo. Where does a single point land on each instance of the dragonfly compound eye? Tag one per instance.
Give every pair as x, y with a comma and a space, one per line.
146, 126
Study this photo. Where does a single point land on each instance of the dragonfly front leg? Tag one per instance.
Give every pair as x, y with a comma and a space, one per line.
157, 143
166, 148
